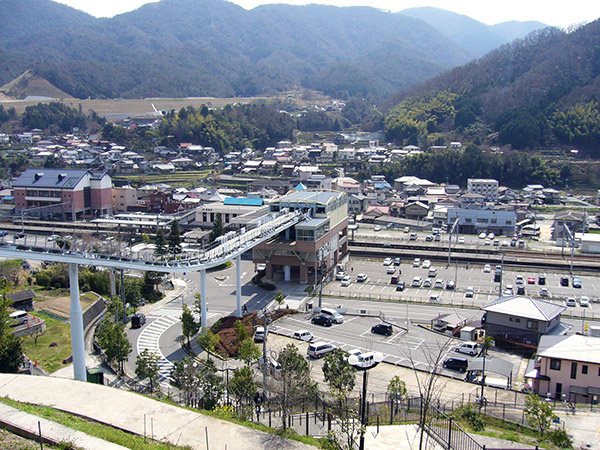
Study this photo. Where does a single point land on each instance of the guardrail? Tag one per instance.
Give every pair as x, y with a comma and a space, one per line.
228, 247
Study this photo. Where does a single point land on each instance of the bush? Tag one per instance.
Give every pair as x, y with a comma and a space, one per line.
469, 414
559, 438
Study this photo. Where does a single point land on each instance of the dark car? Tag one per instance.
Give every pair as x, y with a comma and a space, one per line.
382, 328
520, 290
400, 286
497, 277
396, 261
456, 363
564, 281
323, 320
542, 279
137, 320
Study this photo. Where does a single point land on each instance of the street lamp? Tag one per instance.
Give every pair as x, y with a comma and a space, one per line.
364, 362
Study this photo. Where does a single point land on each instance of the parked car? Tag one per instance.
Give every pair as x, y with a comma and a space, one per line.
577, 282
487, 268
394, 279
544, 292
362, 277
461, 240
3, 233
340, 276
491, 236
469, 348
519, 279
382, 328
259, 334
391, 270
434, 298
584, 302
417, 282
482, 235
564, 281
542, 279
323, 320
456, 363
319, 349
427, 282
346, 281
469, 292
397, 261
520, 290
303, 335
531, 280
571, 302
400, 286
432, 272
429, 238
439, 284
416, 262
387, 261
333, 314
509, 289
450, 285
426, 264
377, 228
413, 236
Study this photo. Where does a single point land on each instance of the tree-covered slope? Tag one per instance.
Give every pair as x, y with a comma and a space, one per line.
537, 91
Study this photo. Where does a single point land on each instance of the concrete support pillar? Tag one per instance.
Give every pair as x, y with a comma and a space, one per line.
77, 339
269, 271
287, 273
303, 274
238, 286
203, 307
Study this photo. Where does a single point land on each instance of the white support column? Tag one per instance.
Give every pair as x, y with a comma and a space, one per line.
287, 273
238, 285
77, 339
203, 308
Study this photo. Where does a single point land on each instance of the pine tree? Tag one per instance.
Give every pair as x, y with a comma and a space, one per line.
175, 238
217, 229
160, 244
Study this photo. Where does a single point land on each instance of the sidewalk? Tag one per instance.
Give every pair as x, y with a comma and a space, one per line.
130, 412
52, 430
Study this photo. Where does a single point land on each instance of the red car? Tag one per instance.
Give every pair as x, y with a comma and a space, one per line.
531, 280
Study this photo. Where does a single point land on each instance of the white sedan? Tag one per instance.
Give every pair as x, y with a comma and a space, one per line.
426, 264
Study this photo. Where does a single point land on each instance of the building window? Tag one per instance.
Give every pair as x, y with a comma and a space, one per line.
532, 324
574, 370
467, 220
584, 369
555, 364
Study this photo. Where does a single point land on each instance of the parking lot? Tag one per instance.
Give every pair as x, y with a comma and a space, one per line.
378, 283
413, 347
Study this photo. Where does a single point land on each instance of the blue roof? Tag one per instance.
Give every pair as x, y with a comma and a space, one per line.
244, 201
300, 187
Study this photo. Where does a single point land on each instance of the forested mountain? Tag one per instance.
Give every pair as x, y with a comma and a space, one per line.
471, 35
213, 47
538, 91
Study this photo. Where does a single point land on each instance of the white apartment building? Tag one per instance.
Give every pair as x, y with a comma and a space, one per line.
487, 188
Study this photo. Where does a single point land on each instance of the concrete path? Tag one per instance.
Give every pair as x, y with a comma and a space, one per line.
138, 414
52, 430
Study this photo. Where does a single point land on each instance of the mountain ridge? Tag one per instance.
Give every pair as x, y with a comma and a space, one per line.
180, 48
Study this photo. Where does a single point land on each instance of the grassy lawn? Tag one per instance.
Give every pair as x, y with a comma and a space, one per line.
49, 357
92, 428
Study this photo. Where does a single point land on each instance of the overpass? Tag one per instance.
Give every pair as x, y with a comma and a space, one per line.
230, 246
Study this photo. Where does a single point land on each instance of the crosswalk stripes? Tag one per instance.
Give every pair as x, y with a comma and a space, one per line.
149, 340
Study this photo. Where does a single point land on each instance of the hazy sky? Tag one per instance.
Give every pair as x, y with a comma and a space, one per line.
551, 12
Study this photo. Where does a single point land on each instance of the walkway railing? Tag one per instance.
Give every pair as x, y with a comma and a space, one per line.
225, 248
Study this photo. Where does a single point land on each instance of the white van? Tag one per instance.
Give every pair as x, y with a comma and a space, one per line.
19, 318
303, 335
335, 316
432, 272
259, 334
319, 349
469, 348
